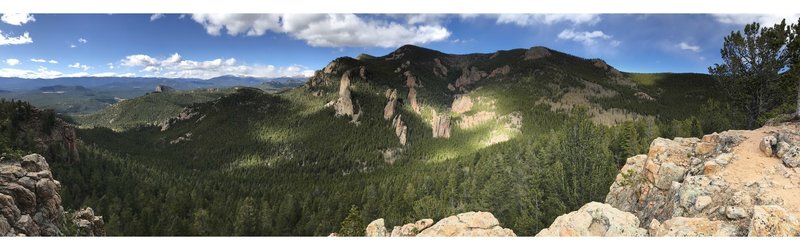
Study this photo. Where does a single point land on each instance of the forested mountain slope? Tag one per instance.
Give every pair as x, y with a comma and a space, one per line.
527, 134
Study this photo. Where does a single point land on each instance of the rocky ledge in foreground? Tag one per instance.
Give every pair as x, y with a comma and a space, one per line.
30, 203
465, 224
734, 183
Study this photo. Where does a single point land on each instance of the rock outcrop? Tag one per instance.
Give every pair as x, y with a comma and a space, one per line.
461, 104
601, 64
344, 104
536, 53
473, 224
595, 219
439, 69
400, 129
391, 105
469, 76
163, 88
440, 125
732, 183
88, 223
30, 203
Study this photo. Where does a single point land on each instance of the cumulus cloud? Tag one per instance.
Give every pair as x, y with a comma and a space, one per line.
25, 38
326, 30
17, 19
12, 61
586, 37
39, 60
80, 66
537, 19
175, 66
763, 19
82, 40
689, 47
156, 16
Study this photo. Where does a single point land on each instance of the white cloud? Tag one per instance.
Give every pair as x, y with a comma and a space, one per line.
138, 60
12, 61
39, 60
110, 65
82, 40
587, 38
689, 47
42, 72
79, 66
536, 19
72, 46
156, 17
763, 19
175, 66
25, 38
17, 18
325, 30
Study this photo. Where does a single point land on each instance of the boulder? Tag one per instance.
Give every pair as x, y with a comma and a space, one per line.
376, 228
474, 224
88, 223
768, 144
791, 157
682, 227
411, 229
773, 221
35, 163
595, 219
30, 204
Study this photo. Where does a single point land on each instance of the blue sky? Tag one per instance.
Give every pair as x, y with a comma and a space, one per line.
272, 45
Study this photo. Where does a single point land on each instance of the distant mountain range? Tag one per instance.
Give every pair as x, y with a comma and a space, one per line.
16, 84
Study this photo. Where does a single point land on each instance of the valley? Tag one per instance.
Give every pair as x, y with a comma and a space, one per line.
528, 134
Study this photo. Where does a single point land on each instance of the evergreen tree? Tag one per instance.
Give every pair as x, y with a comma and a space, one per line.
352, 225
753, 62
246, 219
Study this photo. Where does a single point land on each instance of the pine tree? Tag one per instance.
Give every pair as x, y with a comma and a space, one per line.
352, 225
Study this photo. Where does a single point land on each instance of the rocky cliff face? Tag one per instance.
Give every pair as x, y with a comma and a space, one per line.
734, 183
440, 125
30, 203
475, 224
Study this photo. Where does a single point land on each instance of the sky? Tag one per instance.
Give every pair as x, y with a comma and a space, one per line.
275, 45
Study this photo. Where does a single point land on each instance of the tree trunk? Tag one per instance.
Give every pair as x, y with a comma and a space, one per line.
797, 115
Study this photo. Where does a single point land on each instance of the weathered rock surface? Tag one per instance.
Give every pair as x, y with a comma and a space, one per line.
469, 76
725, 184
440, 125
595, 219
391, 105
163, 88
376, 229
411, 229
461, 104
30, 203
773, 221
536, 53
88, 224
400, 129
468, 224
439, 69
472, 224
